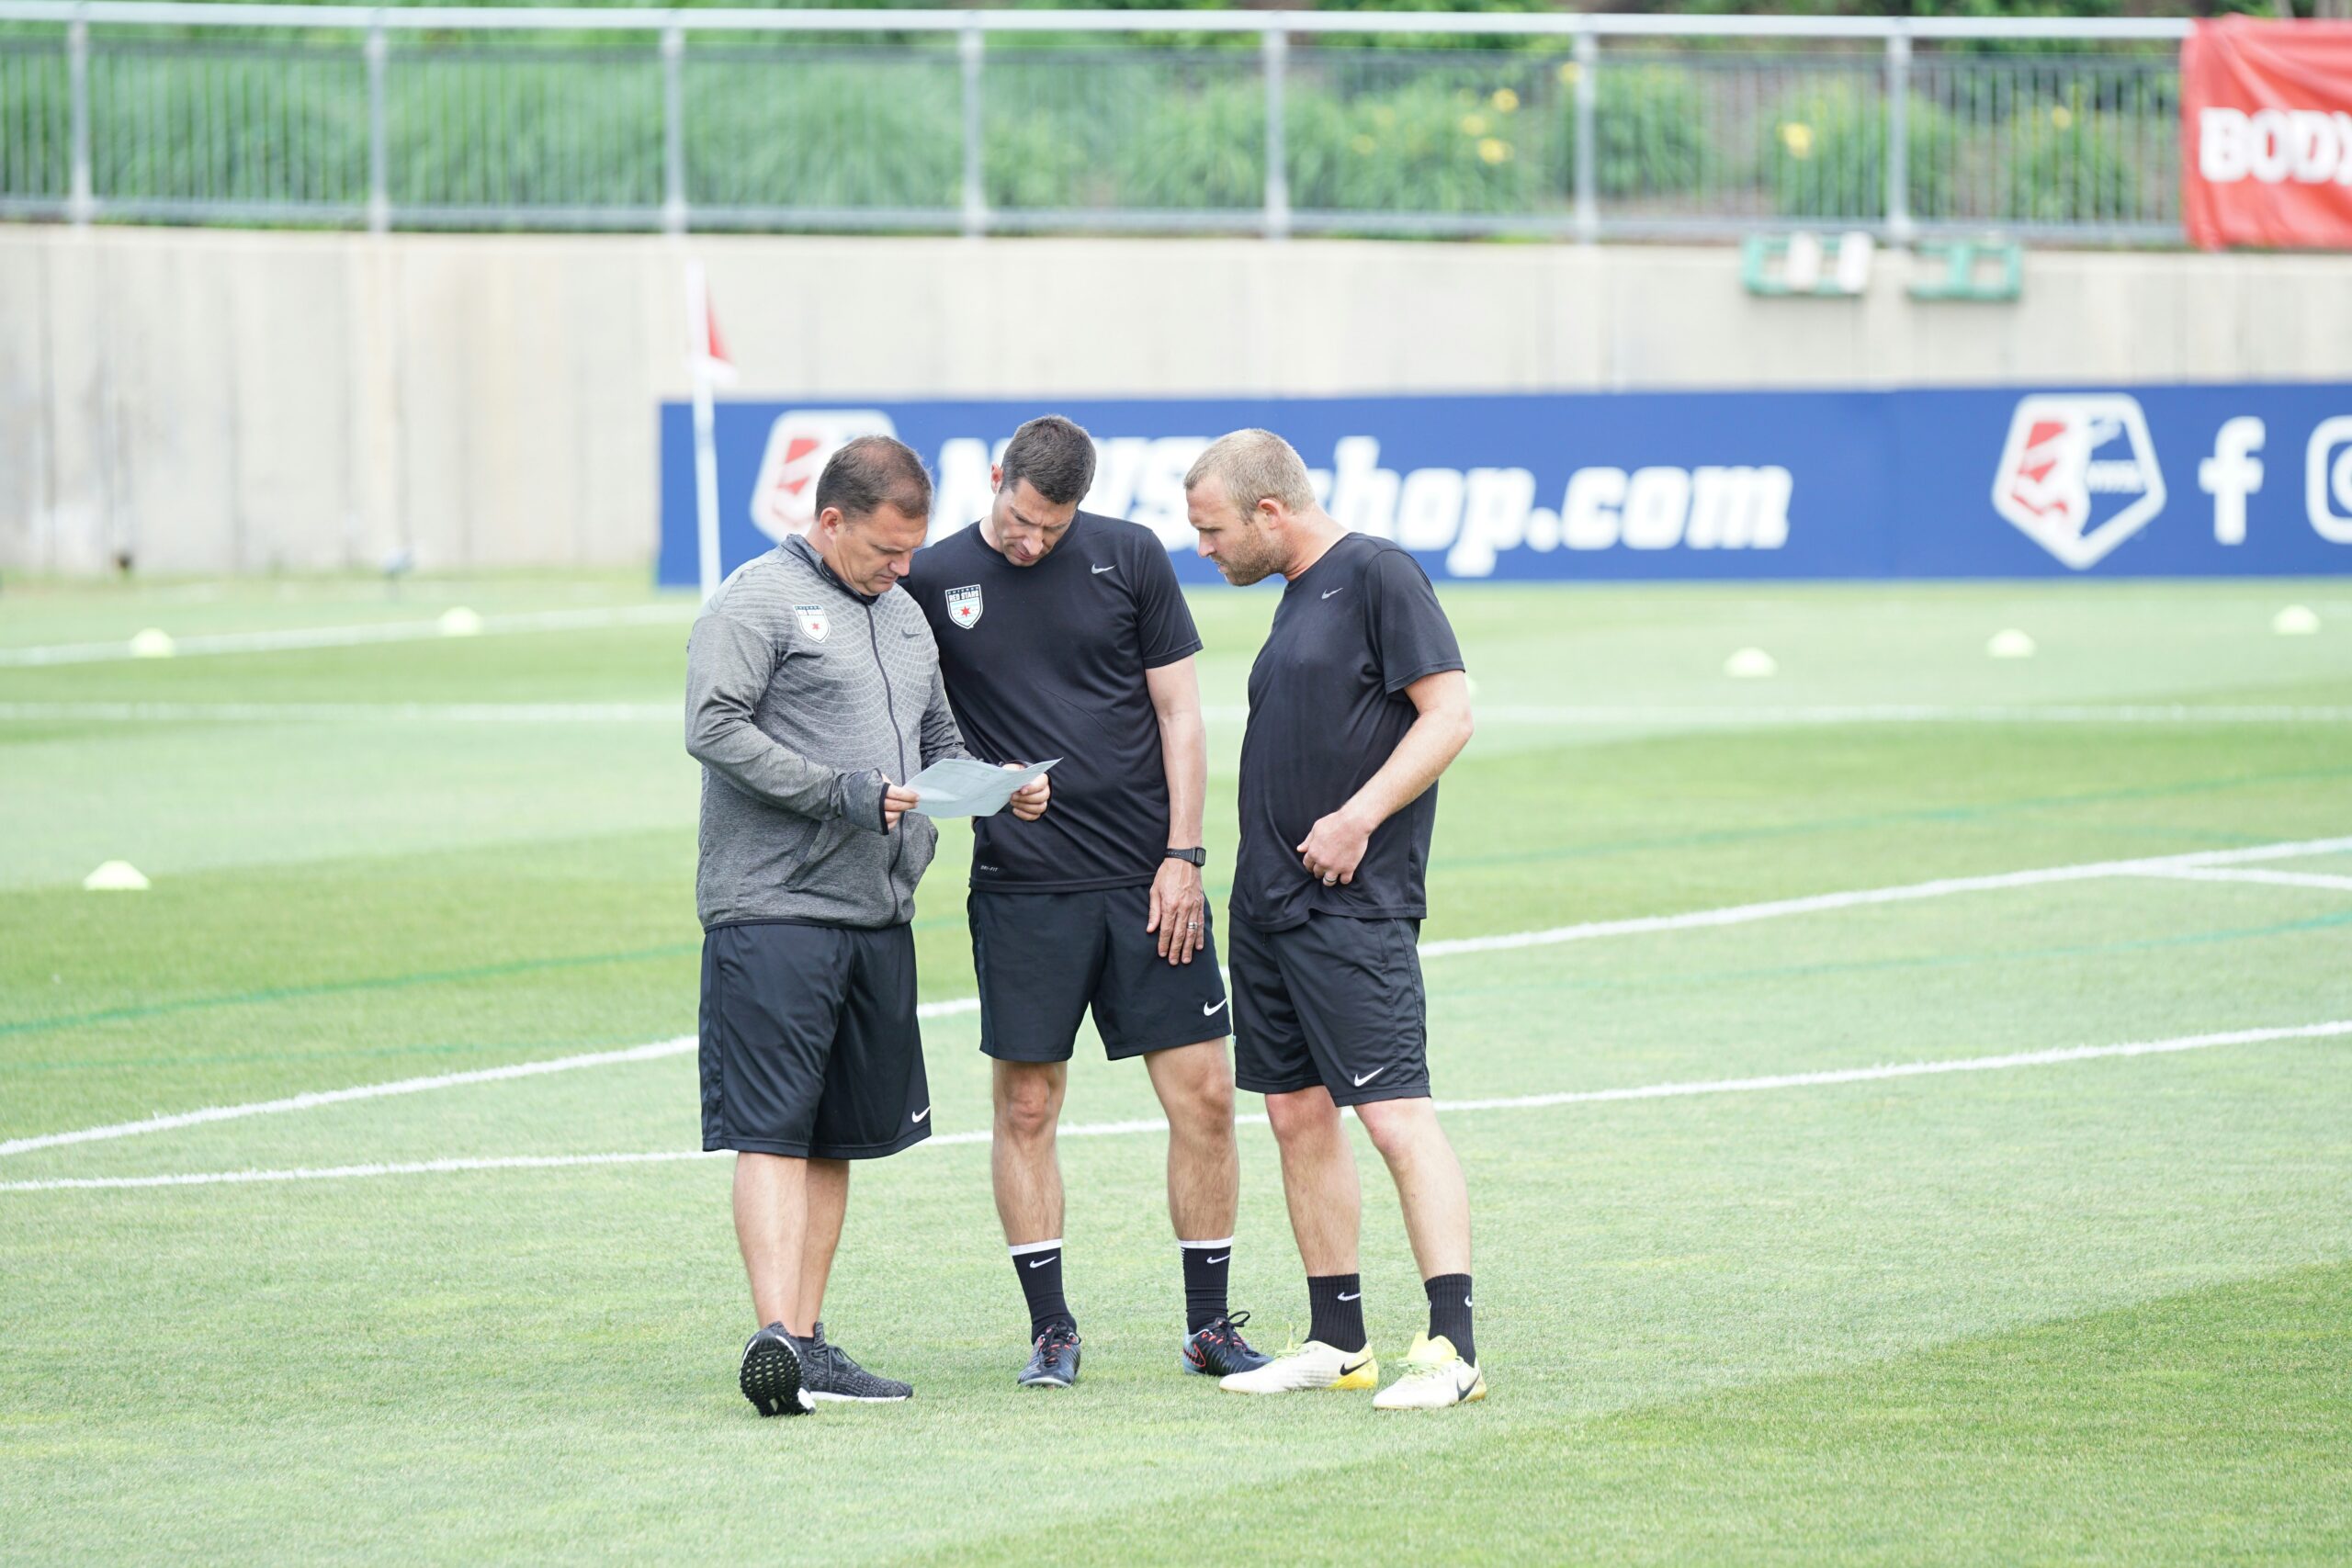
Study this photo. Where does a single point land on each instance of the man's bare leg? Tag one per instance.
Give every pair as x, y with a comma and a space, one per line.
1326, 1209
1024, 1163
771, 1224
826, 1202
1437, 1218
1319, 1179
1429, 1181
1195, 1087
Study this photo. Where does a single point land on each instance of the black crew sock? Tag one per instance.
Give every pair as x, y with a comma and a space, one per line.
1336, 1303
1450, 1311
1207, 1264
1039, 1264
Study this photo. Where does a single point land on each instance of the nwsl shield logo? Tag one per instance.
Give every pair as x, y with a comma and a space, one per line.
813, 624
800, 443
2079, 475
963, 606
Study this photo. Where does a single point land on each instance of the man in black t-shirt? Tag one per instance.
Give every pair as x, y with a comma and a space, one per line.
1062, 634
1357, 703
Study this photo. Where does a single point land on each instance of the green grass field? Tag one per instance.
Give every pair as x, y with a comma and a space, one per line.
2094, 1309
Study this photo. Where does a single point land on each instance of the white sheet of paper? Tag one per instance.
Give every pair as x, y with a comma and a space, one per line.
954, 788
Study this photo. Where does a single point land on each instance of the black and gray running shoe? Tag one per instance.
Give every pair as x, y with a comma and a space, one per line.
1054, 1364
1218, 1350
771, 1375
827, 1372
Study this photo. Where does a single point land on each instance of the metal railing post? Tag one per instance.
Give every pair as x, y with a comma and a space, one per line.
1898, 138
379, 152
673, 129
80, 202
1587, 155
972, 48
1276, 51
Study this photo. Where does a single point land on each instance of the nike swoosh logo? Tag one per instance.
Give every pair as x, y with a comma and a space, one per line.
1350, 1372
1335, 591
1042, 1261
1215, 1259
1100, 570
1370, 1076
923, 1115
1345, 1297
1465, 1301
1208, 1011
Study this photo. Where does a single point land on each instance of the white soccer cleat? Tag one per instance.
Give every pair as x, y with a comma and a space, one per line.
1312, 1366
1435, 1376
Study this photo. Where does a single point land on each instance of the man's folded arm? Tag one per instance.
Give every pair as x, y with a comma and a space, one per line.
729, 666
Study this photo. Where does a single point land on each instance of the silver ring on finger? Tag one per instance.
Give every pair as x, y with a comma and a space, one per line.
1329, 880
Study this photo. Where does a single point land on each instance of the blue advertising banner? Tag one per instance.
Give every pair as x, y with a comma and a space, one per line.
2153, 480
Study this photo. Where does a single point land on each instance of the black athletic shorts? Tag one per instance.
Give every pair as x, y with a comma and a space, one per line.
809, 1044
1337, 1002
1044, 957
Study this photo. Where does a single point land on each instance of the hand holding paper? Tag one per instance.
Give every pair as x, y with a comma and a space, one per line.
956, 787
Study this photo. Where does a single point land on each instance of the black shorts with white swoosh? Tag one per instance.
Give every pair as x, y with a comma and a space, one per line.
810, 1046
1045, 958
1336, 1001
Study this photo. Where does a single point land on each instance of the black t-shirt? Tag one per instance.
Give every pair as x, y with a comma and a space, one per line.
1049, 660
1327, 707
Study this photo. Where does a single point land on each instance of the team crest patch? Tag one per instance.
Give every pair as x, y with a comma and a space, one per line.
963, 606
813, 624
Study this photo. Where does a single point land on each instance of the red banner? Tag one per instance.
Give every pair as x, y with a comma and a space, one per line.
2267, 134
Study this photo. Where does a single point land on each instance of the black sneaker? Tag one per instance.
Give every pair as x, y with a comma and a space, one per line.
771, 1375
827, 1372
1218, 1350
1055, 1362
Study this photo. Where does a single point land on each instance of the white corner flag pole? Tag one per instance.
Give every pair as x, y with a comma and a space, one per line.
708, 362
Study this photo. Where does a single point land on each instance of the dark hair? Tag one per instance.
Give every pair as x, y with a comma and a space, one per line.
873, 471
1055, 455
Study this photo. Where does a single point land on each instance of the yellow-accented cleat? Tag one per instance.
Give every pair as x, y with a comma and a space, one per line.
1435, 1376
1311, 1366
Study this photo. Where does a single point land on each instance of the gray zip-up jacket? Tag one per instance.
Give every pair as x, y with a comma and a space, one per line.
803, 698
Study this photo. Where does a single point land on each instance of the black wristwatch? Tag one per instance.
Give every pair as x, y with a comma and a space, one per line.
1191, 857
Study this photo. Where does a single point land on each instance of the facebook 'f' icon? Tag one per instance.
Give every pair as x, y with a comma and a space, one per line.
2231, 474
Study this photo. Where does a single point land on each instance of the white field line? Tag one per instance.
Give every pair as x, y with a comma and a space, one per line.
652, 1051
1741, 914
1605, 714
1696, 920
587, 617
2271, 878
1823, 1079
343, 713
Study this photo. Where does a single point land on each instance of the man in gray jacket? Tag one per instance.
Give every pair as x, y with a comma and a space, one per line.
812, 695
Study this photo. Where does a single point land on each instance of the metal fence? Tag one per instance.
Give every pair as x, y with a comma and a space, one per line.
1273, 122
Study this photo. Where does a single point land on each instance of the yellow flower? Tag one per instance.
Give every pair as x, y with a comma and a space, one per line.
1474, 125
1567, 73
1365, 144
1505, 101
2060, 115
1798, 139
1494, 150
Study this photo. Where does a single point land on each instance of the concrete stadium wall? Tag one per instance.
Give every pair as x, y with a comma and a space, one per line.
227, 402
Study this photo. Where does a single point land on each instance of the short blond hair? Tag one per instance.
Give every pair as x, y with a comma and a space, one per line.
1253, 465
